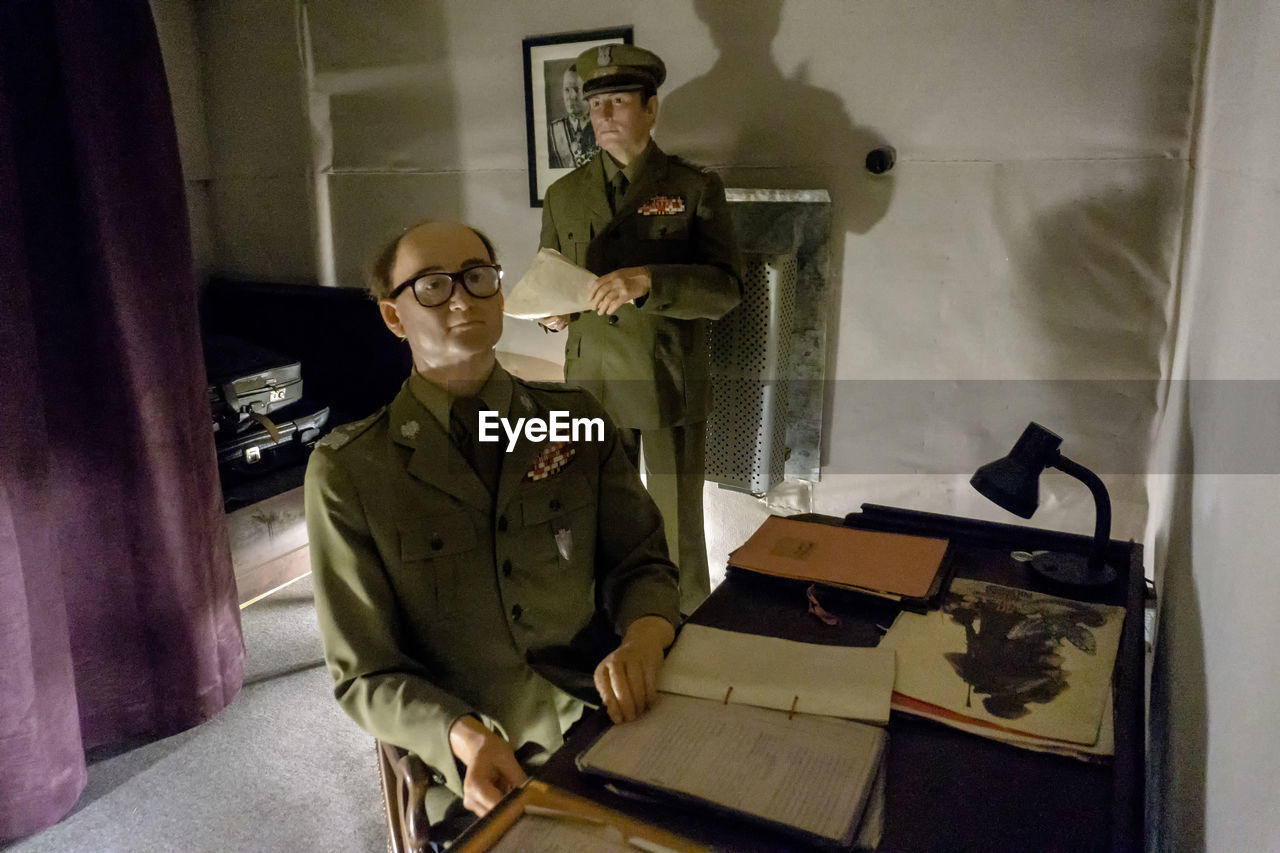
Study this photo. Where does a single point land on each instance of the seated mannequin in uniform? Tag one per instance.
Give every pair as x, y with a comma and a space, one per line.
474, 601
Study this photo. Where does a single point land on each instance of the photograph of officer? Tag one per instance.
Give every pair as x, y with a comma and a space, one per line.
570, 139
448, 570
656, 231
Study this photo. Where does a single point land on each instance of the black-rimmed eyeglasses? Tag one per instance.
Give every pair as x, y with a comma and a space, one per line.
433, 289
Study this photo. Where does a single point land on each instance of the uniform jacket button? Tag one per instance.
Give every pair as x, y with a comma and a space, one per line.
555, 504
516, 610
613, 319
506, 568
436, 543
502, 524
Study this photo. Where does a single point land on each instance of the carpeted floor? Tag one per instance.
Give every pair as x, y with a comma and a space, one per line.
281, 769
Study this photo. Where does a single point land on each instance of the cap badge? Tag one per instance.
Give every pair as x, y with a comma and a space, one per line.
604, 54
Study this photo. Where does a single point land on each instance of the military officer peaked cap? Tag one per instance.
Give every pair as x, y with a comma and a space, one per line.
620, 68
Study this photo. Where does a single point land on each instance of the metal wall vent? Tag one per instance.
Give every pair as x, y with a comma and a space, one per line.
750, 349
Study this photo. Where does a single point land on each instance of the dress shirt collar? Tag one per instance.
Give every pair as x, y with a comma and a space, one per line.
632, 170
495, 394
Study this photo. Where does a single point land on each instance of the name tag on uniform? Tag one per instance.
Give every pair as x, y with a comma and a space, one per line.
662, 205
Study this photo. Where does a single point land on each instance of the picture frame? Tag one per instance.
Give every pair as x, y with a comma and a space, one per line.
558, 142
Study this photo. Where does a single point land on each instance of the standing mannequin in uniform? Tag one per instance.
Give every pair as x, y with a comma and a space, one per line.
656, 231
449, 573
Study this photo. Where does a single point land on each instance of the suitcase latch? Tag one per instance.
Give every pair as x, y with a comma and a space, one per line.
252, 454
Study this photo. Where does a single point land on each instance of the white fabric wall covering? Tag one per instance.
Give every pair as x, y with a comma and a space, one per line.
1216, 685
1025, 258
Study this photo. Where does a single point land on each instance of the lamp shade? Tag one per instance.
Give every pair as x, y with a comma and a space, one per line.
1013, 482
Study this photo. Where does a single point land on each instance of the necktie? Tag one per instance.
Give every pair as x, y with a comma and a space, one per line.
617, 189
484, 457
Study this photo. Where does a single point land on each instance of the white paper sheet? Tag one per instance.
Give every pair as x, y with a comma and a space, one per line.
553, 285
835, 681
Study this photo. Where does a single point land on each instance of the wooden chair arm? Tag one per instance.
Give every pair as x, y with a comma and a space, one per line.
405, 780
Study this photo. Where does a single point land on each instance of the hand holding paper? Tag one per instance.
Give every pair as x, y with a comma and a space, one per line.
552, 286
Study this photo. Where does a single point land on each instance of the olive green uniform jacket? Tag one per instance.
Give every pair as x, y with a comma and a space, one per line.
431, 599
647, 363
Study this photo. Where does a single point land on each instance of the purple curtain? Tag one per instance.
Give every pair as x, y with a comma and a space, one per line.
118, 615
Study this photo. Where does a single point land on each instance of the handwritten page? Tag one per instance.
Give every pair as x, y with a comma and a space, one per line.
539, 834
808, 772
553, 285
835, 681
871, 830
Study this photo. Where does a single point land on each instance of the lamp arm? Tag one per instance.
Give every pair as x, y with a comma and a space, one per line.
1102, 531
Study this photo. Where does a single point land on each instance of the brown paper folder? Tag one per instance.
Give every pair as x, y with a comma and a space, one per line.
894, 565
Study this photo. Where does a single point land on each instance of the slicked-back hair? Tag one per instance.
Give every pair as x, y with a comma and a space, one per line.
377, 277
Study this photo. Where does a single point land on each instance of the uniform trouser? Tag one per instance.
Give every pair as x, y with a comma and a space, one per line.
674, 465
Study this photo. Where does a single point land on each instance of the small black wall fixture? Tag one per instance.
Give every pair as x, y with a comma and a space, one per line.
880, 160
1013, 483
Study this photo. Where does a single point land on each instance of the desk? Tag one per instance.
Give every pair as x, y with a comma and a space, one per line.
947, 790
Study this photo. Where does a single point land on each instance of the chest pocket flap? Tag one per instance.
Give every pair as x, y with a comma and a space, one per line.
669, 227
437, 536
556, 496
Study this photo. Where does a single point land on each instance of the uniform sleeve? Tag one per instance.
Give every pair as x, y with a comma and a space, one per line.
635, 574
389, 694
710, 286
550, 238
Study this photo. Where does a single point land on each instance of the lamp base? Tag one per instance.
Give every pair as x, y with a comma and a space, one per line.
1070, 570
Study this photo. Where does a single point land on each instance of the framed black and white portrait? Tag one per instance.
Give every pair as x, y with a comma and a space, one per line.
559, 129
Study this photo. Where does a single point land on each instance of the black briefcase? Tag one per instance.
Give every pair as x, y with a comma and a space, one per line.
247, 382
254, 450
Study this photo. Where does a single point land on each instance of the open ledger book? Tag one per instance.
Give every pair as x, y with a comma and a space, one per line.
787, 766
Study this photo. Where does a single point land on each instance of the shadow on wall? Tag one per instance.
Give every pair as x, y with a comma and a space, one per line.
761, 129
1097, 280
1089, 287
1178, 714
771, 131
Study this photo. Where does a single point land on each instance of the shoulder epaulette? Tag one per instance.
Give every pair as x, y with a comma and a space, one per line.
542, 385
341, 435
689, 165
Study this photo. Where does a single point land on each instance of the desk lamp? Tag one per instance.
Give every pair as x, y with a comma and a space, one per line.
1013, 483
